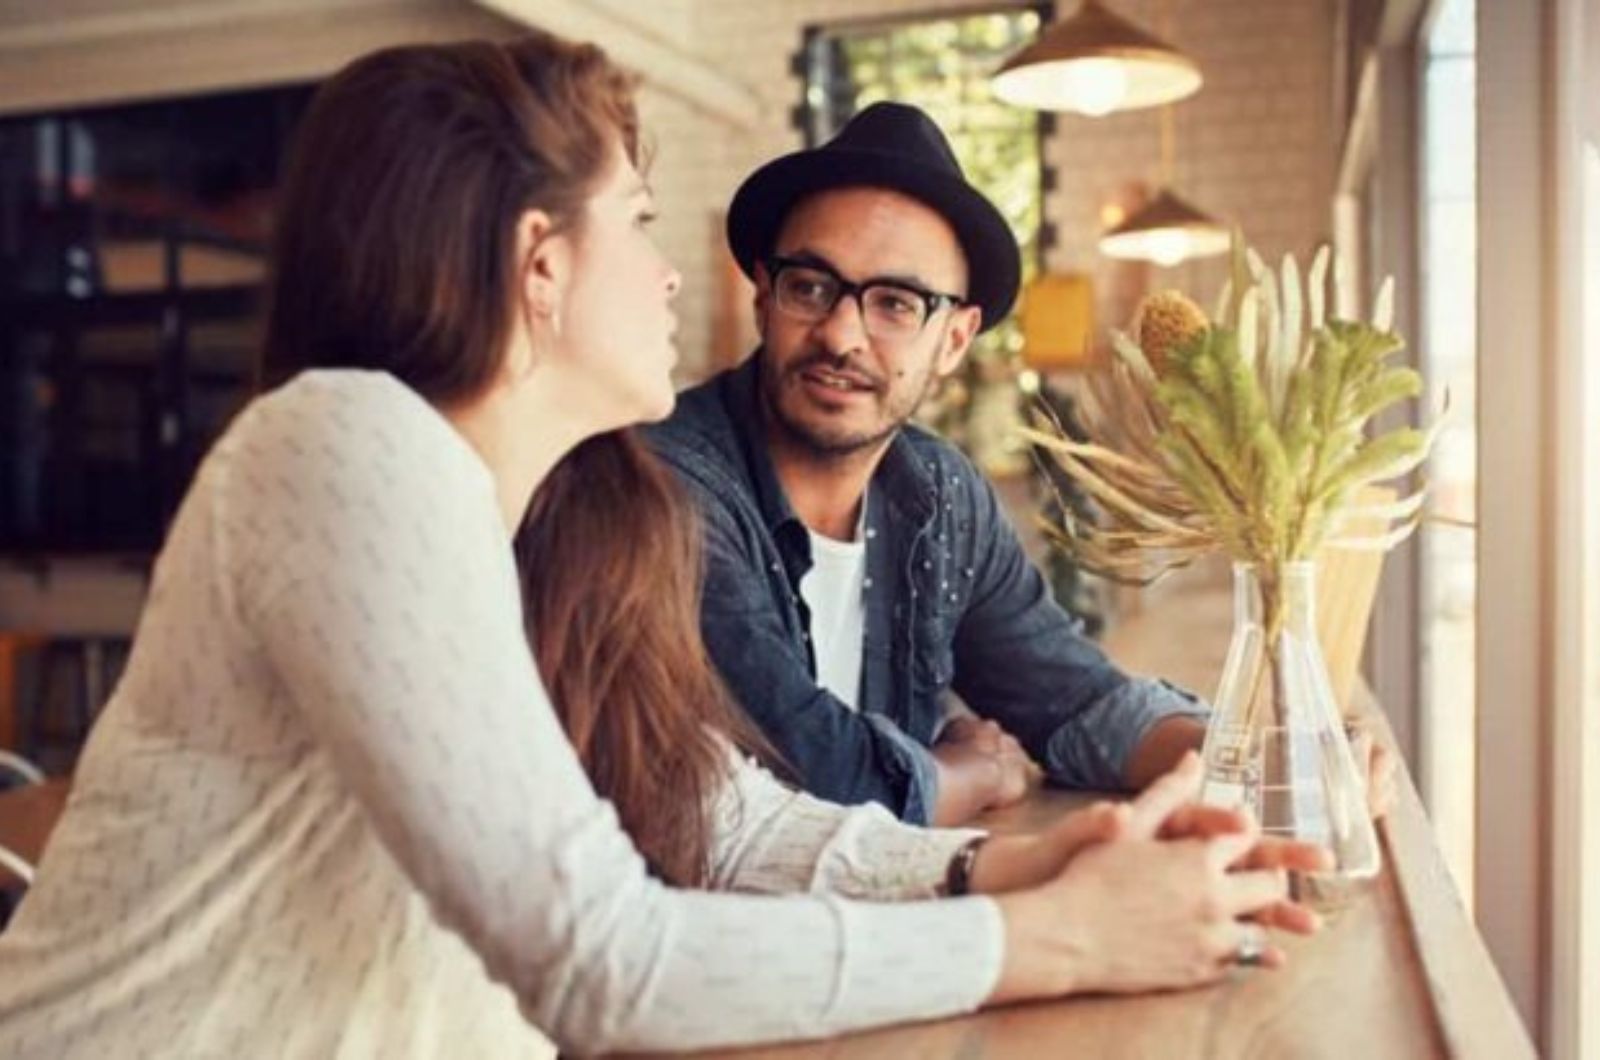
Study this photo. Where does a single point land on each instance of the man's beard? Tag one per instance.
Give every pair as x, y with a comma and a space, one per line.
832, 443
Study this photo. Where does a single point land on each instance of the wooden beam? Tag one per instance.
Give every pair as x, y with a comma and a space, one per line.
54, 30
190, 49
175, 49
661, 62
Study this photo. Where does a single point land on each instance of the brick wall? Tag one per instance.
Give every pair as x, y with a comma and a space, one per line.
1254, 146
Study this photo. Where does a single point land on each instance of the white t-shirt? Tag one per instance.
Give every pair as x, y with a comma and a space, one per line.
331, 812
832, 590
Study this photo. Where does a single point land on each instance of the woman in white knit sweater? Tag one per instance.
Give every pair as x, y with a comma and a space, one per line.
331, 809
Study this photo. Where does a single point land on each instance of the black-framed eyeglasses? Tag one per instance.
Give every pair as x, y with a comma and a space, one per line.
891, 310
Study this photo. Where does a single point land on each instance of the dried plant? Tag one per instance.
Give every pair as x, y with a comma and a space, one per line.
1243, 432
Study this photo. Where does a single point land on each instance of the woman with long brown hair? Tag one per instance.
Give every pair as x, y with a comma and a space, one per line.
332, 808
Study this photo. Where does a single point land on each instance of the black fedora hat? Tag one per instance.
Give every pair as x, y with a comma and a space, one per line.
889, 145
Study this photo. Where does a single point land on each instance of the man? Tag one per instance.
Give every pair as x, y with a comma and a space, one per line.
858, 568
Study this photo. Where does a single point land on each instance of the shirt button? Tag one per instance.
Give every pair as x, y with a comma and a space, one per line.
866, 583
927, 564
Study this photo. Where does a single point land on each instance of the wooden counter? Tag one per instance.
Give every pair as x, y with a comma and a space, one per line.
1400, 972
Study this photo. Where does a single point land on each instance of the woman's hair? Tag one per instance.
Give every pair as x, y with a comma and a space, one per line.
396, 251
396, 238
610, 555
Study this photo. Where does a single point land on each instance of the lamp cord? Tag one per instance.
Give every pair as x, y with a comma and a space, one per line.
1168, 122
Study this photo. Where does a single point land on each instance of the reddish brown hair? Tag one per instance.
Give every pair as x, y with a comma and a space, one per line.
396, 237
396, 251
611, 563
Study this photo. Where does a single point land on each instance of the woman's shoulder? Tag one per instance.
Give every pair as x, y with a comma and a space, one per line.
331, 402
330, 452
327, 424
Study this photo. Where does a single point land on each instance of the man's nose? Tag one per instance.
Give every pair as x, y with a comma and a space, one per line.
844, 330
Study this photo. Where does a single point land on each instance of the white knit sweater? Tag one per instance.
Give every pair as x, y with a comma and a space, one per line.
329, 811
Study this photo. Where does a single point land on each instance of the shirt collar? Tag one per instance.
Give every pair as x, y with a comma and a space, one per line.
902, 479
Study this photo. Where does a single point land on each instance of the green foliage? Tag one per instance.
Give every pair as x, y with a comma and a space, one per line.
1249, 435
1267, 482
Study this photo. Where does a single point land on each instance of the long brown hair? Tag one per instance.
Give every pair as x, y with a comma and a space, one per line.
611, 560
396, 236
395, 252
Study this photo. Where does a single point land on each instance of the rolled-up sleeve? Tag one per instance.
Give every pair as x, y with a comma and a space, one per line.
1023, 661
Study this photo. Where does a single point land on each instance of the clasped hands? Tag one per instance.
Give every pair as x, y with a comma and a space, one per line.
1157, 893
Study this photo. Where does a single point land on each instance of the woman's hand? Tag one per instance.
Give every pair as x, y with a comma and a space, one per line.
1166, 901
1015, 862
1164, 810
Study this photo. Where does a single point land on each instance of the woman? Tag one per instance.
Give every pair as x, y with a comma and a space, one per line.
331, 789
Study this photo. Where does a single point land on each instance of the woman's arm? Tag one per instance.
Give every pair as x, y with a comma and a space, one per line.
773, 839
380, 583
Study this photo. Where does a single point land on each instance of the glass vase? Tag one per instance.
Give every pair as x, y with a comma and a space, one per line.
1276, 743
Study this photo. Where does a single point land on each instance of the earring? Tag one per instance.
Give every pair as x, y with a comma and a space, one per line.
555, 323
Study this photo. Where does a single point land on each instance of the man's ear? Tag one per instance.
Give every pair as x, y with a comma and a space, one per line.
761, 302
959, 333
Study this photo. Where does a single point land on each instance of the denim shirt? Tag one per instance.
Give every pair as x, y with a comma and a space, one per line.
951, 604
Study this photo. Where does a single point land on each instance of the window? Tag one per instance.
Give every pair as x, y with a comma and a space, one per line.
941, 64
1448, 357
133, 243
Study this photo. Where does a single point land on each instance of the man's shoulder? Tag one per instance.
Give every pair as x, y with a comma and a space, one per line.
940, 457
700, 440
700, 423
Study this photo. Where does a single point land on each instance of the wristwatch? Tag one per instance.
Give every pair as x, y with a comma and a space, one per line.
958, 877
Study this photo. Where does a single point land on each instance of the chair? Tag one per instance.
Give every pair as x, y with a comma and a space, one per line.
14, 648
51, 688
29, 811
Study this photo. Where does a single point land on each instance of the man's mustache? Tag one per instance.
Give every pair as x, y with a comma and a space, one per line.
839, 365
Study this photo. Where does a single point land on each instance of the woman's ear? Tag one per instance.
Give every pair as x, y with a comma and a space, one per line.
543, 267
544, 260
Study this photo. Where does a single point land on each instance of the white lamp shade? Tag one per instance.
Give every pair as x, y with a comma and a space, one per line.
1096, 63
1167, 231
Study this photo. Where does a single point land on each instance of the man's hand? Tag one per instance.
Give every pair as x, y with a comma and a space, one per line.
981, 767
1162, 748
1377, 764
